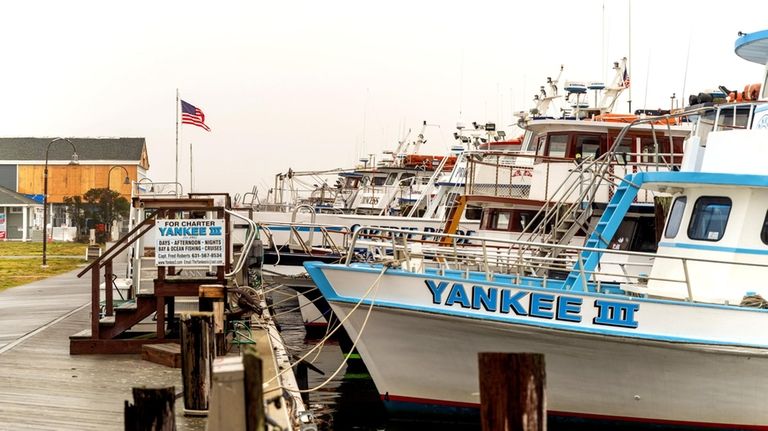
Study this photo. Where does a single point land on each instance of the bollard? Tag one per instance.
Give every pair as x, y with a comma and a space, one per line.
254, 391
152, 410
512, 395
212, 297
197, 352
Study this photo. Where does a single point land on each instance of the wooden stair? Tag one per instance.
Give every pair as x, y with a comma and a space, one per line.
113, 330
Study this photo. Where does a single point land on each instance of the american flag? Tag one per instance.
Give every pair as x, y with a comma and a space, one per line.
190, 114
626, 79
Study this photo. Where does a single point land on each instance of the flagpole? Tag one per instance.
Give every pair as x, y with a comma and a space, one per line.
177, 140
629, 40
191, 184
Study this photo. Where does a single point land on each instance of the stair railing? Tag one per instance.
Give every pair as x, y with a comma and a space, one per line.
105, 260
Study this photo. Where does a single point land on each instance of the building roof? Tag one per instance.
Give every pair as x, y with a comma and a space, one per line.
9, 197
97, 149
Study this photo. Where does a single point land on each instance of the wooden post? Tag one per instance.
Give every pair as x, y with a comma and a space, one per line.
108, 288
254, 391
196, 361
212, 297
152, 410
512, 393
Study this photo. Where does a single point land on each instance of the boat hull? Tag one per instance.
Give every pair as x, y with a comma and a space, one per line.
427, 360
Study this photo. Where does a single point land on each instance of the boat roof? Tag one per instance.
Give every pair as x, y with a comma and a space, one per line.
601, 126
753, 47
661, 180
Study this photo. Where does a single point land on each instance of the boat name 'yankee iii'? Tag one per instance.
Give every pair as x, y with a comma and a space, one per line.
565, 308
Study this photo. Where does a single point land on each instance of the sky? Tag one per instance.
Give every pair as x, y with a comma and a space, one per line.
312, 85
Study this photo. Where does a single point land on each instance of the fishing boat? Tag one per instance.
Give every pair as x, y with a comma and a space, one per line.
682, 346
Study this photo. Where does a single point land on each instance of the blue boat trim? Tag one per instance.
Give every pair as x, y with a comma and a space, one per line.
713, 248
753, 47
315, 271
700, 178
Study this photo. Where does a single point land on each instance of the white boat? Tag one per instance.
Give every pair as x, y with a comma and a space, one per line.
683, 346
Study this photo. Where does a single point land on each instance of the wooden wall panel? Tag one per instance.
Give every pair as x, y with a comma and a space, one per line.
73, 180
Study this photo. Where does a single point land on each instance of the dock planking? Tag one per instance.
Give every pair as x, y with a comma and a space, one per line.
42, 387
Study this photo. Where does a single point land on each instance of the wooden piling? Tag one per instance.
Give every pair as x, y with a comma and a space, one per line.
512, 395
212, 297
197, 353
254, 391
152, 410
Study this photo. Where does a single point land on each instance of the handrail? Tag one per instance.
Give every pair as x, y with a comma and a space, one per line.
473, 242
502, 259
326, 231
249, 238
103, 257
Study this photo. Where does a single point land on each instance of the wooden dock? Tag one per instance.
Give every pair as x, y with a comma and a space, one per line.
42, 387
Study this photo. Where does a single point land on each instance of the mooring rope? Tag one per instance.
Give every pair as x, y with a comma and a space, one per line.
373, 286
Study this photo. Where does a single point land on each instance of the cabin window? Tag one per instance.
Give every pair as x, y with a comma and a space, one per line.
378, 181
764, 232
541, 143
675, 217
623, 151
497, 219
391, 178
588, 147
525, 220
473, 213
736, 117
710, 216
557, 145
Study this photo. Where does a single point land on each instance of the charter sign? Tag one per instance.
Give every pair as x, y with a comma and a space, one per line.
189, 242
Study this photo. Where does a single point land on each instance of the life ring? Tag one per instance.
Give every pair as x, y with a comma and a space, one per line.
752, 91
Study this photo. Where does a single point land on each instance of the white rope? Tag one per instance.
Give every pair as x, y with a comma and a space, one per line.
367, 292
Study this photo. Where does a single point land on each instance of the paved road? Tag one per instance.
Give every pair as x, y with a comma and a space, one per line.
27, 307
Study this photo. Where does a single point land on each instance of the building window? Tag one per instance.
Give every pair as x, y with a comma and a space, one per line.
709, 219
16, 210
675, 217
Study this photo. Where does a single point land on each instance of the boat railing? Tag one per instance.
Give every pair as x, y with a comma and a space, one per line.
157, 189
516, 261
333, 238
568, 209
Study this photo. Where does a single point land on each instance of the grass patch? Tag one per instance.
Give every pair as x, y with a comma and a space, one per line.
15, 272
8, 248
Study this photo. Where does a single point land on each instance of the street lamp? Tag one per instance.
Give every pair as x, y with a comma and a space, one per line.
127, 180
74, 161
148, 180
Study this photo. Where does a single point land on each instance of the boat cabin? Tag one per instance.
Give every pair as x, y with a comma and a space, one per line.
553, 140
719, 215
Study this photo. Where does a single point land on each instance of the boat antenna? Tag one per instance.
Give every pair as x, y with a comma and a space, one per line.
647, 80
365, 115
461, 84
602, 53
685, 74
629, 39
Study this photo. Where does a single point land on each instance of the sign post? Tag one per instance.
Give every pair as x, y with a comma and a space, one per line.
2, 225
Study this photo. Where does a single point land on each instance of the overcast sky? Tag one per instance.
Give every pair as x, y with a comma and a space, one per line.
312, 85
